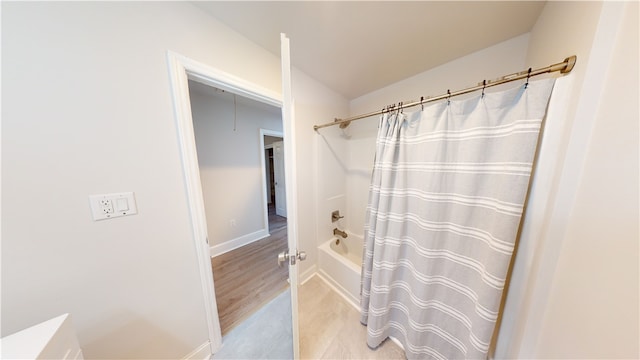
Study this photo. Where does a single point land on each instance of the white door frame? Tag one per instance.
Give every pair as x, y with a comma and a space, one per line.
182, 69
265, 202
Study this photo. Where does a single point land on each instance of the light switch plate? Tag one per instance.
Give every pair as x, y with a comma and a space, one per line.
108, 206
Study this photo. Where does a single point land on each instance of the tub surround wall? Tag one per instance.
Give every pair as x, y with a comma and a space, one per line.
314, 104
361, 147
333, 163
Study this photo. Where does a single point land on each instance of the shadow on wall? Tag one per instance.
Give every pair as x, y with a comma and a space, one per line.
136, 338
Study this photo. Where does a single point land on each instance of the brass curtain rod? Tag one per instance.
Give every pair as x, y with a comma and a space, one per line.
564, 67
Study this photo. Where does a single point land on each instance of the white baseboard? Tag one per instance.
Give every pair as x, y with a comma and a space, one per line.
307, 275
203, 352
339, 289
238, 242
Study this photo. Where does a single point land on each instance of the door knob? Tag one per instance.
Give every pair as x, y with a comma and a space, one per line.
285, 257
282, 257
302, 255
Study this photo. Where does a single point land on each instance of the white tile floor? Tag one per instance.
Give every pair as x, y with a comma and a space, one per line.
329, 329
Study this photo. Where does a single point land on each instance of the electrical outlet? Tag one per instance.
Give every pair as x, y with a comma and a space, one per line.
109, 206
106, 206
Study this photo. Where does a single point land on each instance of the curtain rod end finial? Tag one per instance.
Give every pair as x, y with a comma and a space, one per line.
571, 62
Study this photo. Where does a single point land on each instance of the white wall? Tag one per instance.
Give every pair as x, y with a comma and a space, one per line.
574, 290
591, 248
230, 163
87, 110
489, 63
597, 275
492, 62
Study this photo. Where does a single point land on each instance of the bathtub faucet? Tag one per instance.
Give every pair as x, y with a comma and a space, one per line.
336, 231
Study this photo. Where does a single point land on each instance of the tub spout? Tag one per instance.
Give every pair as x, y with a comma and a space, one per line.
337, 231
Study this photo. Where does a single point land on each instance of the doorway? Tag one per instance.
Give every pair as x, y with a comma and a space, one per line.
274, 176
230, 133
181, 70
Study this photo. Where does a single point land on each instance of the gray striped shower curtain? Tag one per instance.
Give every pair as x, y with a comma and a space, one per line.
445, 201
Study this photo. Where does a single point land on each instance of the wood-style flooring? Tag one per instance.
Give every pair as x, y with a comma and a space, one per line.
247, 278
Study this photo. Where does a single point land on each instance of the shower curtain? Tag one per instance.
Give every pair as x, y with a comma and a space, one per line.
445, 201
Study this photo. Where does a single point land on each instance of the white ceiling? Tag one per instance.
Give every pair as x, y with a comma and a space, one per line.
355, 47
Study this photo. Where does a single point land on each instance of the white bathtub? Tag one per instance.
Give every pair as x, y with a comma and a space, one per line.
340, 265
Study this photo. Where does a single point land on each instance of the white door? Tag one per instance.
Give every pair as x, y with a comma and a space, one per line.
279, 178
288, 126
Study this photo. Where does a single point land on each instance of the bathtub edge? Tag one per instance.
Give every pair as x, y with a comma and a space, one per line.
338, 289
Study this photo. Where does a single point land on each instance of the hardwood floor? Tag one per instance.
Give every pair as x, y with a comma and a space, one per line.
276, 222
249, 277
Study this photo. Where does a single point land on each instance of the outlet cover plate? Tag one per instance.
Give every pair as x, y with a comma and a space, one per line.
109, 206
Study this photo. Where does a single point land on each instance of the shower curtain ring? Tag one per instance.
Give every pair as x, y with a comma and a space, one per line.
484, 86
528, 76
448, 97
421, 104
